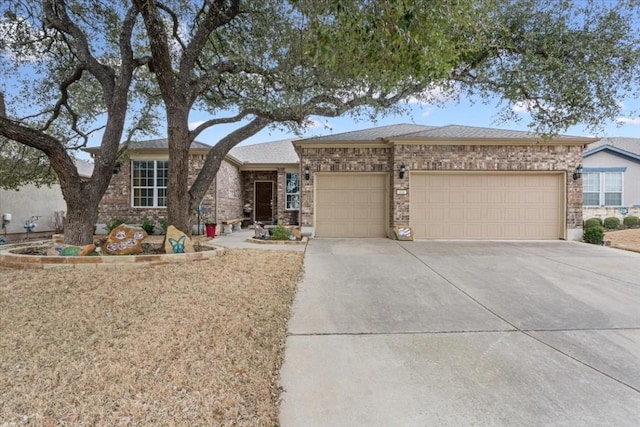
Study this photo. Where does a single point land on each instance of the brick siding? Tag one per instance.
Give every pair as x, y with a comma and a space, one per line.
441, 158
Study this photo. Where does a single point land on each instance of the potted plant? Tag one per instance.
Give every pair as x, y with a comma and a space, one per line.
210, 227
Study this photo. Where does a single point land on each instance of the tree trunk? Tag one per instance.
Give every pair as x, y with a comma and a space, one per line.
80, 222
178, 197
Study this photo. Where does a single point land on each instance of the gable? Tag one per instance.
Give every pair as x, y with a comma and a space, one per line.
604, 151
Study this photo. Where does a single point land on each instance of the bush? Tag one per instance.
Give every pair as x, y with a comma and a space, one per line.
280, 232
147, 226
631, 221
611, 223
594, 235
164, 224
593, 222
110, 225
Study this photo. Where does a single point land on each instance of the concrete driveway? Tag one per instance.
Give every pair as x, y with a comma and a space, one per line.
441, 333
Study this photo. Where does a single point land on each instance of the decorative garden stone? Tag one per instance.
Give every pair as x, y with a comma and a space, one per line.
68, 250
176, 242
124, 240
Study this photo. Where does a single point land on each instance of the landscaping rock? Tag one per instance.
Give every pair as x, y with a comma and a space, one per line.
177, 242
124, 240
296, 233
59, 249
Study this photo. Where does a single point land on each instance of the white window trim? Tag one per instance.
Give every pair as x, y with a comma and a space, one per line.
286, 207
155, 184
602, 192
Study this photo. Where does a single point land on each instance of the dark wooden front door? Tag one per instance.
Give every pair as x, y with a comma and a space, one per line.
264, 201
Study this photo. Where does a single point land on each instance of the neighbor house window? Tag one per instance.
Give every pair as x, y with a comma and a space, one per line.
602, 188
293, 191
149, 183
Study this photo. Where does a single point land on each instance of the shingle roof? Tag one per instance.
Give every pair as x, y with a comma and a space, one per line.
619, 144
372, 134
275, 152
162, 144
467, 132
409, 131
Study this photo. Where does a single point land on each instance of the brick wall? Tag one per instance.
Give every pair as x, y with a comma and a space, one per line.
367, 159
230, 192
489, 158
116, 202
441, 158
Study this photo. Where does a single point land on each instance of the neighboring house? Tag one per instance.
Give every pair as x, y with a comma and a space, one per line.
259, 182
450, 182
37, 203
611, 177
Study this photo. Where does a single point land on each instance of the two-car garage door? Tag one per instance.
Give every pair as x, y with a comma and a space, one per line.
487, 205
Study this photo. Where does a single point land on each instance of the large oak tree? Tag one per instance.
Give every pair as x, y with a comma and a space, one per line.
266, 62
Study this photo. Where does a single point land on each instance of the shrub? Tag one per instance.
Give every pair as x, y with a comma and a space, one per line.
593, 222
147, 226
110, 225
631, 221
164, 224
611, 223
594, 235
280, 232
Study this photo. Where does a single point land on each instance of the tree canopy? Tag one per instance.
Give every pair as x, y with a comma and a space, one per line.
77, 68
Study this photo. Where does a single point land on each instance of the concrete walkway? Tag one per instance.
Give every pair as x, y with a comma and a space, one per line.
241, 239
436, 333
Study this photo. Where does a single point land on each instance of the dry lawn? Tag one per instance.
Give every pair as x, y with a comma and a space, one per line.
196, 344
624, 239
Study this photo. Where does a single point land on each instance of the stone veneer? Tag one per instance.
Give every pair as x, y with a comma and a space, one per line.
425, 157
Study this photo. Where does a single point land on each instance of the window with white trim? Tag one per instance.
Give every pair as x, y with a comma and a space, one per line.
602, 188
292, 191
149, 183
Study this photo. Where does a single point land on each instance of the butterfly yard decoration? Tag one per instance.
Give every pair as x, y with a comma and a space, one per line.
177, 242
177, 245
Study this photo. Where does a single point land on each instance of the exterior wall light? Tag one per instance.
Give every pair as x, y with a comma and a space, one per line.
578, 173
307, 173
403, 169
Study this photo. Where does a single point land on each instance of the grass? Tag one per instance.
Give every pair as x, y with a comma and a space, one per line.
197, 344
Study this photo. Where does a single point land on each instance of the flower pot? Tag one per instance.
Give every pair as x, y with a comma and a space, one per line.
211, 230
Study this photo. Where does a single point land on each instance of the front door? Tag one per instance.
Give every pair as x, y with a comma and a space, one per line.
264, 201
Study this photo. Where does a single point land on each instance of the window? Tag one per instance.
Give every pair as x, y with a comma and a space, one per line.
602, 188
292, 191
149, 183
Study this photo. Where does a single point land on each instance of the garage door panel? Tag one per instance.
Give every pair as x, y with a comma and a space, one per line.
486, 205
351, 205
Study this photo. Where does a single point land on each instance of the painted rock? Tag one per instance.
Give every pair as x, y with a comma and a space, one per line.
69, 250
176, 242
124, 240
296, 233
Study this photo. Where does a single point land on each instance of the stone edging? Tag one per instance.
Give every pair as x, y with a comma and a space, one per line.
278, 242
11, 260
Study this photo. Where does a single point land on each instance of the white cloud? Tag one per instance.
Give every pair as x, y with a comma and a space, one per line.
427, 113
628, 121
311, 124
522, 107
434, 95
193, 125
